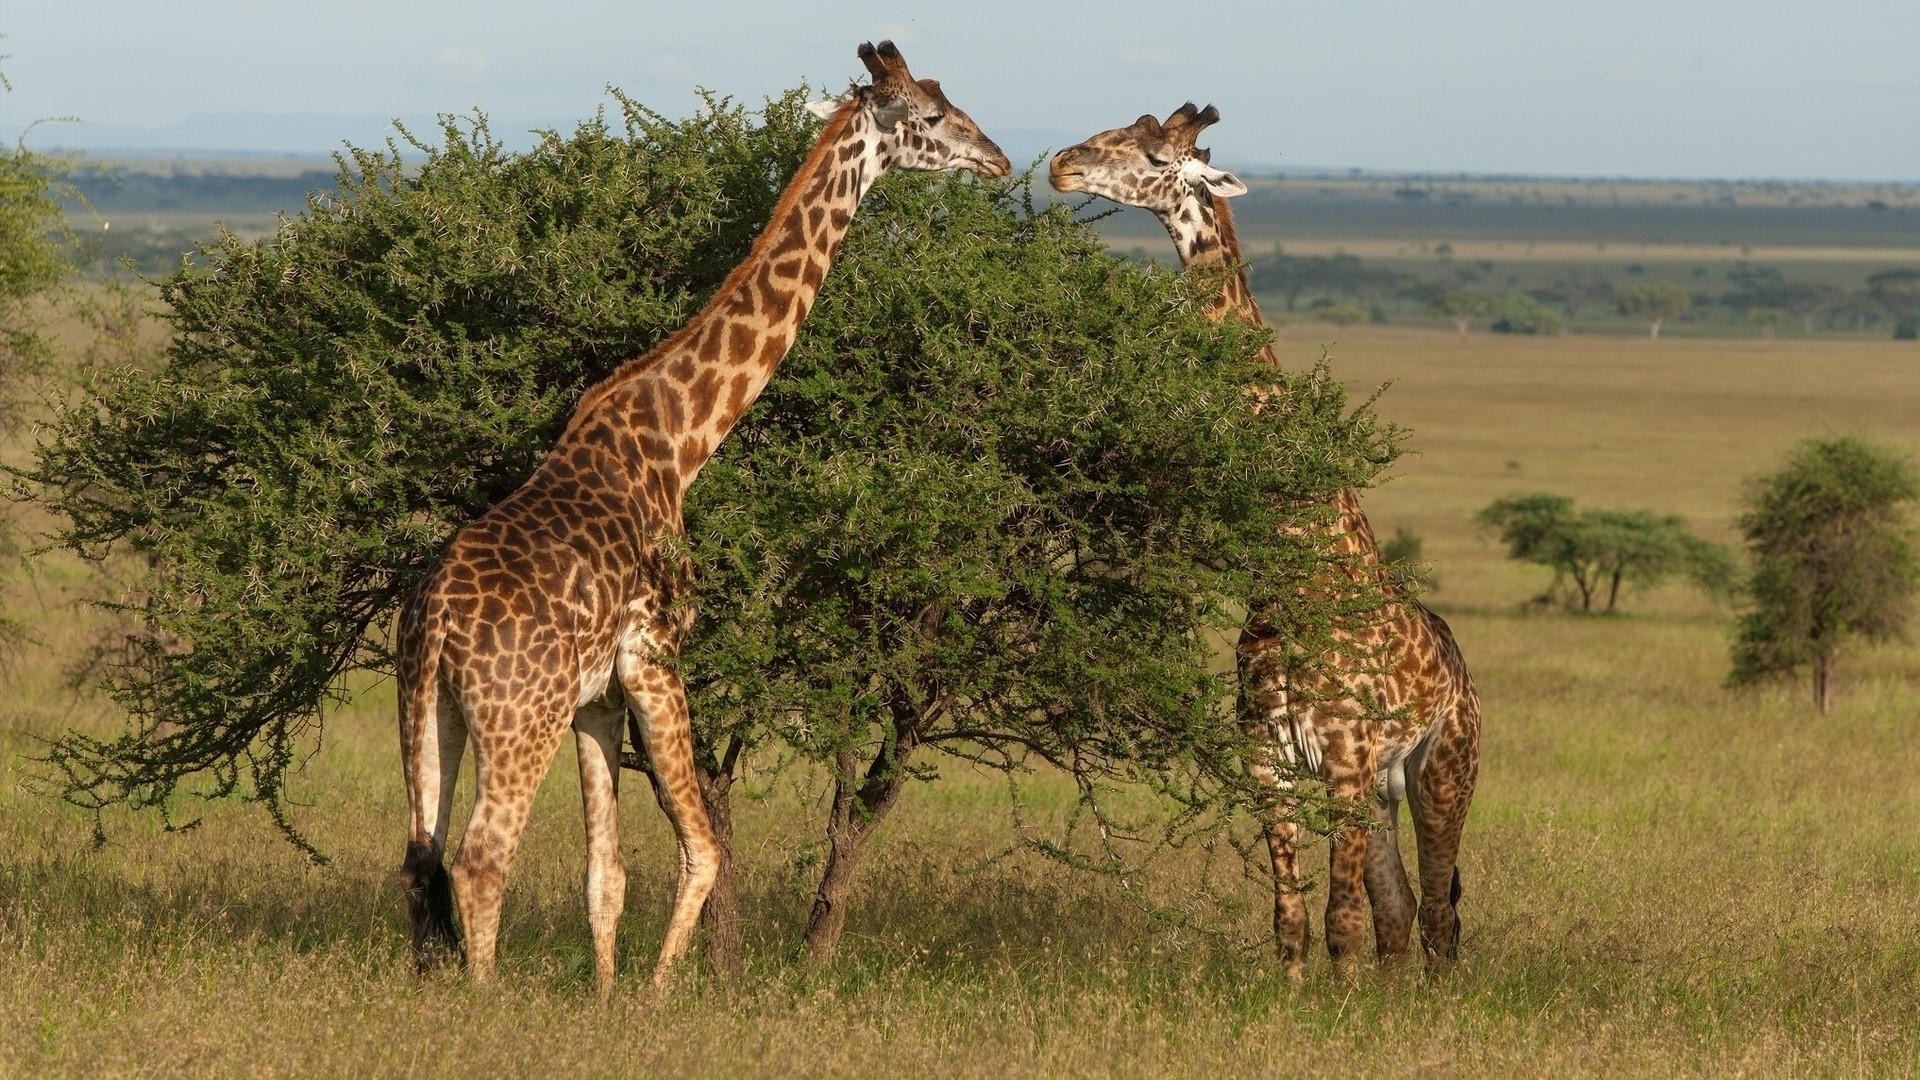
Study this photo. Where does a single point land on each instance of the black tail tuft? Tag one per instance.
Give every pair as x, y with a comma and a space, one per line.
1453, 901
429, 904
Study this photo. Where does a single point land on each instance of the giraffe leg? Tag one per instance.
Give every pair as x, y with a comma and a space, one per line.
500, 809
1350, 780
1289, 906
1388, 891
658, 696
1440, 795
598, 735
1290, 935
430, 748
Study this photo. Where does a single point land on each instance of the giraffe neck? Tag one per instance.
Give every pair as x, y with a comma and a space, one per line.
684, 396
1202, 231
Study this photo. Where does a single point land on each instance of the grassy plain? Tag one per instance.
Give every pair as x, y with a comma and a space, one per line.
1661, 877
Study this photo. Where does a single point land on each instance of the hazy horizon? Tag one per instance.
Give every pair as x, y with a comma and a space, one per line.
1689, 91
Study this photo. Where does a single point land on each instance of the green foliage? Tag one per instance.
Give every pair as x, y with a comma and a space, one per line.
1518, 313
1333, 276
1899, 292
1654, 303
1833, 559
977, 513
1402, 553
1767, 319
36, 255
1461, 306
338, 399
975, 509
1342, 312
1590, 550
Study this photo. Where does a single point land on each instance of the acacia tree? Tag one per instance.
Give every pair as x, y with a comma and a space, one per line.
36, 255
974, 514
1899, 292
1599, 551
1461, 307
1833, 560
1654, 303
1768, 319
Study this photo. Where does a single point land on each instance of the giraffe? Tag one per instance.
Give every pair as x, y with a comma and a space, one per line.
559, 607
1402, 720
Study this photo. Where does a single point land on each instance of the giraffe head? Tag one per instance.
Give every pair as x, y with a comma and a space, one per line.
1149, 164
918, 127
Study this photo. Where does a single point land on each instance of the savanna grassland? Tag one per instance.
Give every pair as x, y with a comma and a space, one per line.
1662, 877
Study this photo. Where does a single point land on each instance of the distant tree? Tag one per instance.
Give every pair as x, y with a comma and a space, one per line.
1572, 288
1833, 560
1518, 313
1899, 292
1596, 551
36, 255
1768, 319
1654, 303
1807, 300
1461, 307
1341, 312
1293, 276
1402, 553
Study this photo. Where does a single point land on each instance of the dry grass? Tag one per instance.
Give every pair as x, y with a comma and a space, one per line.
1661, 877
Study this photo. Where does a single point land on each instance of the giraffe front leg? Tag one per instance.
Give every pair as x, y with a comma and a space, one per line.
660, 699
597, 731
1289, 905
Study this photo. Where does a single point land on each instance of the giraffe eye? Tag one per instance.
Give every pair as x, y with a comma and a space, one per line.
1156, 161
935, 119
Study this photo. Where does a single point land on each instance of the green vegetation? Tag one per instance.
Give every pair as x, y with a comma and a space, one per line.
1594, 550
975, 515
1834, 560
1653, 304
1657, 882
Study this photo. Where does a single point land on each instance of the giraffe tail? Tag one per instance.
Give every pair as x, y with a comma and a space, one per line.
1453, 901
424, 873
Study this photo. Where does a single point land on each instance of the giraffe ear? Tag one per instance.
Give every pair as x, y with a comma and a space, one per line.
1221, 182
824, 109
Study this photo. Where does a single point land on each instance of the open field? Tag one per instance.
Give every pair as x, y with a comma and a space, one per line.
1661, 877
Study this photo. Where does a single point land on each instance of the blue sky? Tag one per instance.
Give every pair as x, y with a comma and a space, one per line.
1680, 88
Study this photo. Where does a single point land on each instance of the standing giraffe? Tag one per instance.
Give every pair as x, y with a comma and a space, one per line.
1401, 718
558, 607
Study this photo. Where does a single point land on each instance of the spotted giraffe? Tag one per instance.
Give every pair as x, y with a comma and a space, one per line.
1403, 720
558, 607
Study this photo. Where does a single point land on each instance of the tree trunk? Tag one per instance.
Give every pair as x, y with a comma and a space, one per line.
1613, 592
1462, 324
1823, 681
720, 918
1653, 329
859, 805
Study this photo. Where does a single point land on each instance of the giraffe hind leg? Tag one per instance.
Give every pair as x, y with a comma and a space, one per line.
1388, 891
500, 808
1440, 795
597, 731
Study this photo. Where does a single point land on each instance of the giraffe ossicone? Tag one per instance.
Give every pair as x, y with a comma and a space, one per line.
562, 607
1399, 718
